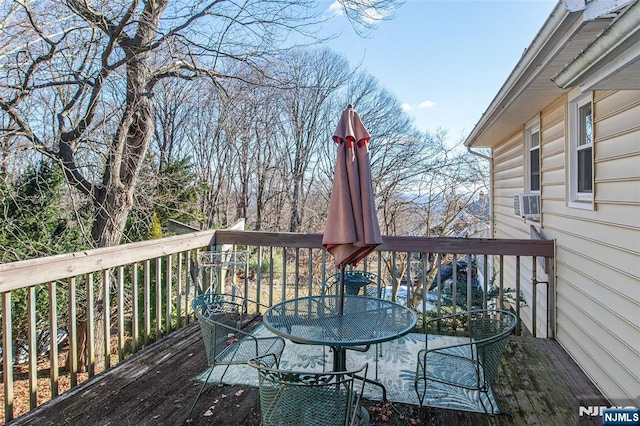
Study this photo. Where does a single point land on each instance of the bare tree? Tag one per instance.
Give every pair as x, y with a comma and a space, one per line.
78, 79
314, 79
98, 64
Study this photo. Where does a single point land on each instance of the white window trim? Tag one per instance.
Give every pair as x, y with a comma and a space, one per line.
532, 127
576, 199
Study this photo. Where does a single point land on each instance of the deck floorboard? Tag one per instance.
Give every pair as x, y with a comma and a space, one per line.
537, 383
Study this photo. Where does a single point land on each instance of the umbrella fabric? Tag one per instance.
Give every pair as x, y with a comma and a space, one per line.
352, 230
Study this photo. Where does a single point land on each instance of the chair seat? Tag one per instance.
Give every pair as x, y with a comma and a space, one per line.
452, 366
466, 367
241, 351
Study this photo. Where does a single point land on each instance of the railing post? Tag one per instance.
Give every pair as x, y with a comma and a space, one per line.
454, 283
284, 274
135, 312
53, 331
310, 272
107, 318
147, 301
518, 324
91, 334
469, 292
551, 298
534, 296
121, 313
438, 266
501, 283
73, 333
188, 284
158, 298
425, 289
168, 285
259, 277
33, 349
296, 283
7, 356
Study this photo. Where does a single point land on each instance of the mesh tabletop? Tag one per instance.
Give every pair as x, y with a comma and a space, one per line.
315, 320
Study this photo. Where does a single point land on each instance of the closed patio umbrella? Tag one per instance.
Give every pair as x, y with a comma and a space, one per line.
351, 230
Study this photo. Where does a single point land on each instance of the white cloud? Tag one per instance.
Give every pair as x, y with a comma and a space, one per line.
422, 105
427, 104
373, 16
336, 9
369, 14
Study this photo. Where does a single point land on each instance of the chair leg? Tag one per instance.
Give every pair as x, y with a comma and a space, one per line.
421, 397
378, 349
375, 383
494, 409
193, 405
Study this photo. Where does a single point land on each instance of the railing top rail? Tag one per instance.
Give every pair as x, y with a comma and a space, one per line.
36, 271
489, 246
45, 269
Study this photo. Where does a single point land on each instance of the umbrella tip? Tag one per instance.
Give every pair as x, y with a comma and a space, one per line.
349, 106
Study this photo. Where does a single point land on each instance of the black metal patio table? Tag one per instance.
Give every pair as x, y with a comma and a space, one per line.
315, 320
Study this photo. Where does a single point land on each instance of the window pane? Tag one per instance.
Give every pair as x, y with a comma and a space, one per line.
585, 172
534, 163
586, 125
535, 139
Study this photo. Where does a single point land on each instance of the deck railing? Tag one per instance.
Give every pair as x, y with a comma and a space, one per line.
109, 303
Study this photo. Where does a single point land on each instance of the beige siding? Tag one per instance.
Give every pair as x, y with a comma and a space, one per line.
598, 251
619, 145
552, 155
508, 177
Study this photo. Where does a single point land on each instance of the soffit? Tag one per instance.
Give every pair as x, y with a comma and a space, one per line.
612, 60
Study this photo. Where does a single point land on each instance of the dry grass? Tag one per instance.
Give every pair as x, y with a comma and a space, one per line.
21, 386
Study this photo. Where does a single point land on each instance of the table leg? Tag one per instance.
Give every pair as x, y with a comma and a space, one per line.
339, 358
340, 364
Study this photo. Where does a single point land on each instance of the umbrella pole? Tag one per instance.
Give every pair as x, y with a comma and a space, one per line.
341, 297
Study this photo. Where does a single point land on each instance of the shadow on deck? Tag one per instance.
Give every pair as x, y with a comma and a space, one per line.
537, 384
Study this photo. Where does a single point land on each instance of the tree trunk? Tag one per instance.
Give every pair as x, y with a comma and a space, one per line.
114, 198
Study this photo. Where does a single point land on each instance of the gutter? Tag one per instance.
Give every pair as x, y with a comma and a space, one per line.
478, 154
624, 28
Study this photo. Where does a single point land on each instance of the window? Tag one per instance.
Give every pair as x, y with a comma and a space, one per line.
580, 152
532, 164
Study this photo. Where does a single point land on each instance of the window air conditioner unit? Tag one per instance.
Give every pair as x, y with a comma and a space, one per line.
527, 205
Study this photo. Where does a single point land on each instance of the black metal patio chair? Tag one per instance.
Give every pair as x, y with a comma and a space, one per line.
301, 398
468, 364
221, 318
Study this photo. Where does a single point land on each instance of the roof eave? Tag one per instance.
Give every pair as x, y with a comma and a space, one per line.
617, 48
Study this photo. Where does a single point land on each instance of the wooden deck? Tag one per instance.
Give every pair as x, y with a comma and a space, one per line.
537, 384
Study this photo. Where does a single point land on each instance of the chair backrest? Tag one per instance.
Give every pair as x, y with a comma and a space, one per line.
487, 330
356, 283
214, 310
491, 333
306, 398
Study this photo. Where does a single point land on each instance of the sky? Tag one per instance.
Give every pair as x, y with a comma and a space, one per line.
445, 60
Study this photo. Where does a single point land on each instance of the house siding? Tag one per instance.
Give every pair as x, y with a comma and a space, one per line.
508, 179
597, 271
